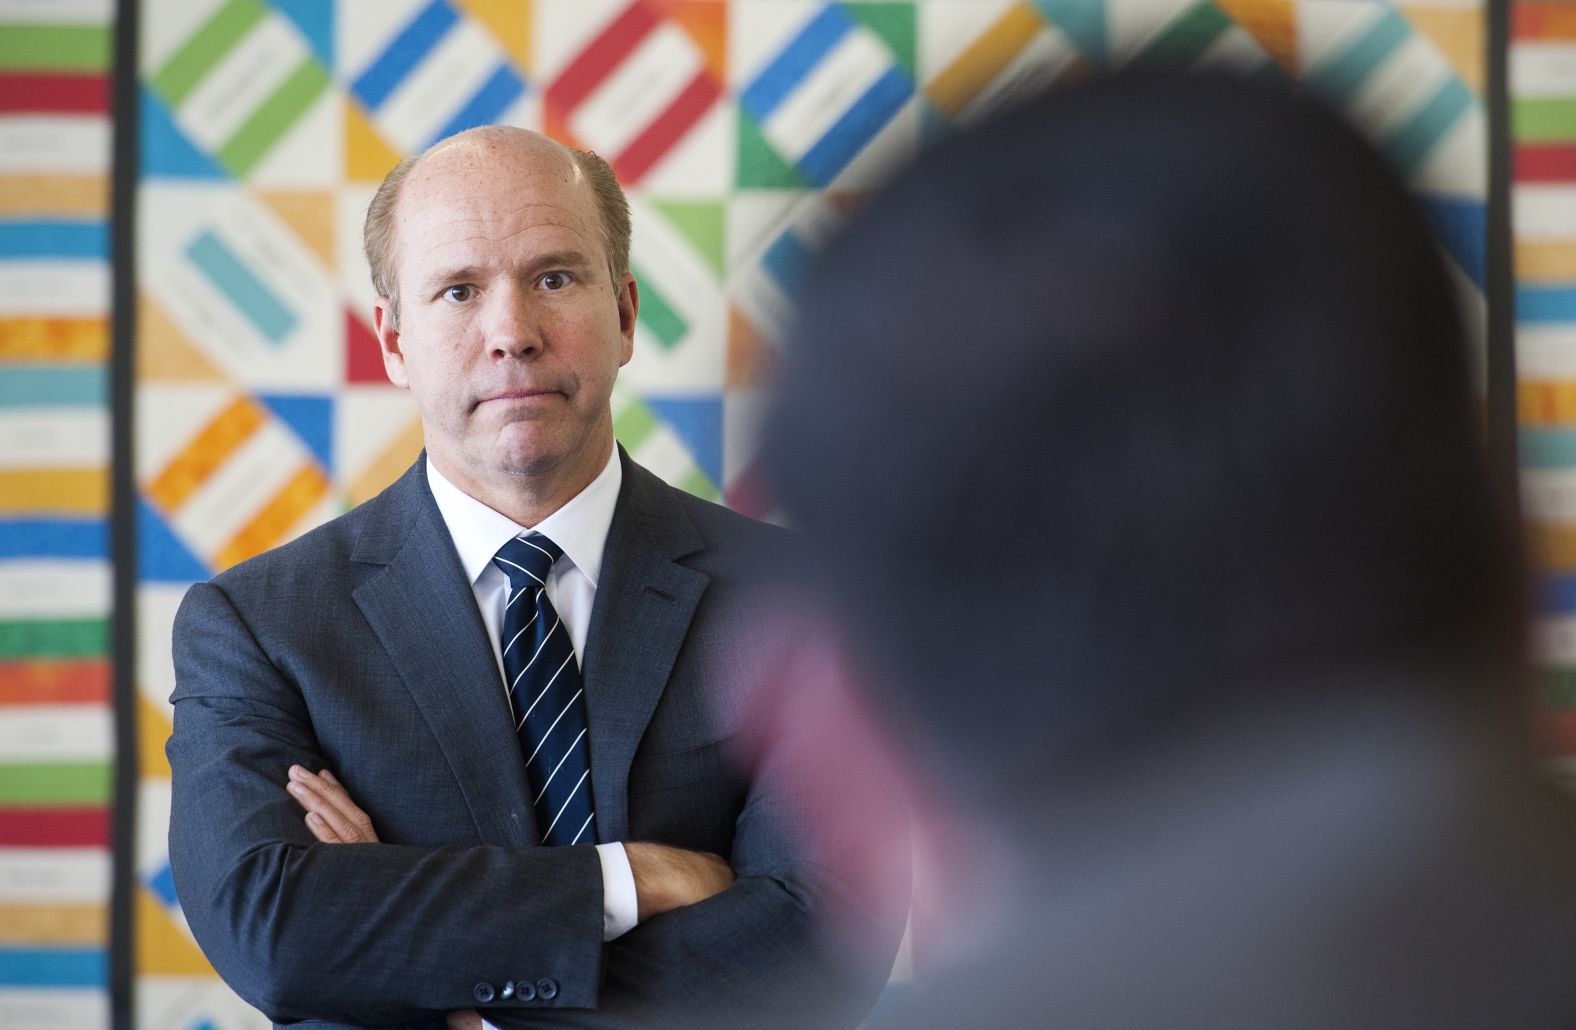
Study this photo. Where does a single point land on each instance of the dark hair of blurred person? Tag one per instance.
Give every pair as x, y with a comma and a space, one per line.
1136, 430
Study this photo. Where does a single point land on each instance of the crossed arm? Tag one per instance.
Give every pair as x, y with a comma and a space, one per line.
665, 877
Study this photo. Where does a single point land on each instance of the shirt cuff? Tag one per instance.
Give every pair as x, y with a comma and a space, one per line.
620, 907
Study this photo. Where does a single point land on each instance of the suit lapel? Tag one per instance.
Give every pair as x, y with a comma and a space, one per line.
422, 609
644, 603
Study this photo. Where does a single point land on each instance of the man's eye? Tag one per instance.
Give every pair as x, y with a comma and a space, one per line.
459, 294
554, 281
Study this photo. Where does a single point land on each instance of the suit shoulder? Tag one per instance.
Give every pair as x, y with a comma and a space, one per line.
333, 538
722, 527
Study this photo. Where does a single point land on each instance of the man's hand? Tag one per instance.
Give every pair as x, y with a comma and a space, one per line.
331, 815
668, 878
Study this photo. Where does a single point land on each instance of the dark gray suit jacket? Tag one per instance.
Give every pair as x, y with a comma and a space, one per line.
359, 648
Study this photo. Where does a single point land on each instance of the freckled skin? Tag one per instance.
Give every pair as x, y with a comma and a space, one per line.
511, 328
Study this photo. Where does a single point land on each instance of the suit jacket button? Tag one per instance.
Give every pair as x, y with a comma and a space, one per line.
507, 991
483, 992
525, 990
546, 989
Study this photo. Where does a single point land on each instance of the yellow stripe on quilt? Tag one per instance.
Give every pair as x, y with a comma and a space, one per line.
269, 526
81, 196
1548, 261
60, 339
1546, 402
964, 79
218, 440
22, 923
69, 491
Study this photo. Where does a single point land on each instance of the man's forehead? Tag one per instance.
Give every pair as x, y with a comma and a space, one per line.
483, 190
495, 173
495, 152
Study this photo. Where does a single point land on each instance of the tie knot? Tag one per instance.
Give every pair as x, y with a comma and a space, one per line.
526, 560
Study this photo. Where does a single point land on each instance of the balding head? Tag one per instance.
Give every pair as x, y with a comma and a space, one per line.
486, 145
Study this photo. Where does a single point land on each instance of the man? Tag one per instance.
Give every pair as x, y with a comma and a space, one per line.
395, 651
1149, 489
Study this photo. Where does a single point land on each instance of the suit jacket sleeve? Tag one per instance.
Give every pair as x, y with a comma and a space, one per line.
762, 954
365, 934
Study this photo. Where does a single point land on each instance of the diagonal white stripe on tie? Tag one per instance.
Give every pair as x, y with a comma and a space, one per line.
538, 660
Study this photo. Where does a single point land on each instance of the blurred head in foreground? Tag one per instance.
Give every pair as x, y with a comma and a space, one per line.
1136, 434
1128, 403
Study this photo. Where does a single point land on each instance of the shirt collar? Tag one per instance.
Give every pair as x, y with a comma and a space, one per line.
580, 526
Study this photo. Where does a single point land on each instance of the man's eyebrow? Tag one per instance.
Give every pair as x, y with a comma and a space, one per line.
570, 259
463, 273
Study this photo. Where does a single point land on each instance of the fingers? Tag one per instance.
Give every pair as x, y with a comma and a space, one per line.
465, 1019
321, 830
331, 815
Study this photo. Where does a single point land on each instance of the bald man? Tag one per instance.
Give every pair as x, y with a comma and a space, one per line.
562, 847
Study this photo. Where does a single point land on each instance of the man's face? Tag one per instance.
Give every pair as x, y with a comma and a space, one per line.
511, 328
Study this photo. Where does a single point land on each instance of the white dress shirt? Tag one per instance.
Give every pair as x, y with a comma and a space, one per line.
580, 528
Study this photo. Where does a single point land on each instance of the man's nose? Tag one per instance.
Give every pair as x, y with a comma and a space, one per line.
513, 329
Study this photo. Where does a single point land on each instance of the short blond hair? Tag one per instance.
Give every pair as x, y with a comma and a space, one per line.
377, 235
612, 207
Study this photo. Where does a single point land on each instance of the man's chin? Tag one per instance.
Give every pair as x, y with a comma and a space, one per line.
541, 458
527, 447
533, 451
528, 465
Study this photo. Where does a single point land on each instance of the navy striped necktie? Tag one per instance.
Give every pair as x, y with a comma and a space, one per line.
545, 694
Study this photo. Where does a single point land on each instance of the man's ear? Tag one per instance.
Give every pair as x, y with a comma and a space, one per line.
384, 324
628, 308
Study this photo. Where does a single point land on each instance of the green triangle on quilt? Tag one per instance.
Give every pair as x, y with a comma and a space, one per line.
704, 225
655, 444
894, 24
759, 165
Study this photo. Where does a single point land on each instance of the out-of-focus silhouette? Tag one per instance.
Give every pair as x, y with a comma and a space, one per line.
1136, 430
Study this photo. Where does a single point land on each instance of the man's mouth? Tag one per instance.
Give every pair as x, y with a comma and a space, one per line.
521, 394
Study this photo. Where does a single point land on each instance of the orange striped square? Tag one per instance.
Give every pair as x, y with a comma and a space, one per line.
203, 456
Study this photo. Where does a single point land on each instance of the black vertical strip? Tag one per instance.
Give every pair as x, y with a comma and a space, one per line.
1500, 285
123, 507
